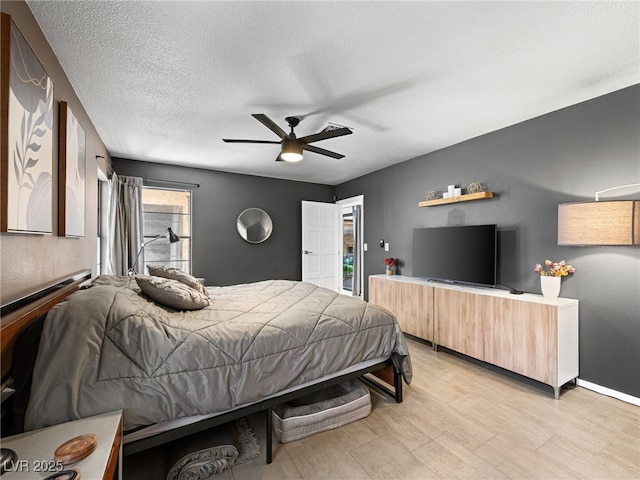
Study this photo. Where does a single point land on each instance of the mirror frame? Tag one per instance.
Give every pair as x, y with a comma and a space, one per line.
250, 218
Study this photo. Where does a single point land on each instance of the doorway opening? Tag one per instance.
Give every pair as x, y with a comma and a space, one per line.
351, 226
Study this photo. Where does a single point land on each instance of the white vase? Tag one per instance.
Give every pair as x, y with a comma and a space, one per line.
550, 286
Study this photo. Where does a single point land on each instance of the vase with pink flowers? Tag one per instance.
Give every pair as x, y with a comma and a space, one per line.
391, 264
551, 274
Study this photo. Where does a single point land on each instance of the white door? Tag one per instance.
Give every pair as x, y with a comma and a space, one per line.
321, 247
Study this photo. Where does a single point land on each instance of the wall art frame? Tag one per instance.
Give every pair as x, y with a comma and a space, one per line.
26, 136
72, 160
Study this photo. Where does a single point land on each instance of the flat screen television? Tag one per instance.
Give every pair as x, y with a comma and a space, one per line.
466, 254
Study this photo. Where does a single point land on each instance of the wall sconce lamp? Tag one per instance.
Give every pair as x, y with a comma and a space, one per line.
611, 222
171, 235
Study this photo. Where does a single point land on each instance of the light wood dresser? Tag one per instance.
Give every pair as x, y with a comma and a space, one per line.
526, 334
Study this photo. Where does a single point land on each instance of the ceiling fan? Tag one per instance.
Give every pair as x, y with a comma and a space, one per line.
293, 146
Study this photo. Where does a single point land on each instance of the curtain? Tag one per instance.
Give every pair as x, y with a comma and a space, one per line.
125, 224
357, 253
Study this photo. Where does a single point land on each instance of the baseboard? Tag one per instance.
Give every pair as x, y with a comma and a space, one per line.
609, 392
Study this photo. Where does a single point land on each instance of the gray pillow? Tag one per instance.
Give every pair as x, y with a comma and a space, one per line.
171, 293
176, 274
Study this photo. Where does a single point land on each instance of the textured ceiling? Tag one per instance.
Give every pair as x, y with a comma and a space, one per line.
165, 81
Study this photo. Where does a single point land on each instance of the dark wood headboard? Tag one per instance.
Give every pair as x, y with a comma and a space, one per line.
16, 316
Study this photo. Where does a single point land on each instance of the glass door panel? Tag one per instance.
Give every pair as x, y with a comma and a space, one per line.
347, 251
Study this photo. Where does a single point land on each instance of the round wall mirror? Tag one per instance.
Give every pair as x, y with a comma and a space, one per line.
254, 225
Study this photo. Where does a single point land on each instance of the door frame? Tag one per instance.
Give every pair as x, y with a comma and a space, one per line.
345, 203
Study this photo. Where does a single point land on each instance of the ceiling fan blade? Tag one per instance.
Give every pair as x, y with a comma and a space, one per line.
233, 140
322, 151
270, 124
338, 132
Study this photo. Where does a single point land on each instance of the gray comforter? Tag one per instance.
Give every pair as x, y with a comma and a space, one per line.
109, 347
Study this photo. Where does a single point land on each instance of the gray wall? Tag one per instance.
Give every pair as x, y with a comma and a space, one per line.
560, 157
219, 254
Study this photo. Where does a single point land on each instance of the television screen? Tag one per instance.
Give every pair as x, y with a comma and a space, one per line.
464, 254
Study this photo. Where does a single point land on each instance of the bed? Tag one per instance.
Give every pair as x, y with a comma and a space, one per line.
109, 346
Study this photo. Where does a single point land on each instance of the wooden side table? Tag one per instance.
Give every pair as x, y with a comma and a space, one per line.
35, 449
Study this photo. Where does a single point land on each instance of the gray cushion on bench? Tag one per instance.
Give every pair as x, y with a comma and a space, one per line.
324, 410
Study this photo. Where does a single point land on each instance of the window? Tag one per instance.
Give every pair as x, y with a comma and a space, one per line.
103, 221
162, 208
99, 246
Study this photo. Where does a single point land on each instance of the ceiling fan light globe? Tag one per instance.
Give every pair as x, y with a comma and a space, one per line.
291, 150
291, 156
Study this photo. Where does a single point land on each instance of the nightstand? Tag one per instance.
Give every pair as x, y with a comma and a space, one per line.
36, 449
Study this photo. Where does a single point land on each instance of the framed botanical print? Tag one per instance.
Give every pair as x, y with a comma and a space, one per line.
71, 174
26, 146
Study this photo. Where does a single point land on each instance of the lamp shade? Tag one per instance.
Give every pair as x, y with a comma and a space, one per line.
291, 150
173, 238
615, 222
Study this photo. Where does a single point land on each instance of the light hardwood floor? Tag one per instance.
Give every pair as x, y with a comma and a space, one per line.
460, 420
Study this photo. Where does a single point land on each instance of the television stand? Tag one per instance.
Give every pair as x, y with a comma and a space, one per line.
527, 334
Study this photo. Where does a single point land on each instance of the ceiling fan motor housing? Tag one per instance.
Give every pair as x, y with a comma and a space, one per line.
292, 122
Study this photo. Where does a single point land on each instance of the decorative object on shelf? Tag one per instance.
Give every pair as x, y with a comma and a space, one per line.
26, 157
611, 222
76, 449
432, 195
451, 190
462, 198
476, 187
457, 192
551, 275
391, 264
